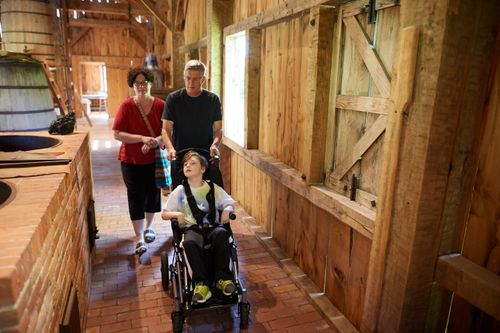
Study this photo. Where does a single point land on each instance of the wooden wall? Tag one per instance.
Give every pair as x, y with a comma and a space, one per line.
316, 240
196, 21
118, 51
283, 69
481, 231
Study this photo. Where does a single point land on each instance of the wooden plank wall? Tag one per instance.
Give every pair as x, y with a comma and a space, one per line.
481, 234
115, 48
196, 21
244, 9
284, 60
316, 240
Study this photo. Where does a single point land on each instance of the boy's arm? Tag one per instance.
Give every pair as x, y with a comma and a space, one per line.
167, 215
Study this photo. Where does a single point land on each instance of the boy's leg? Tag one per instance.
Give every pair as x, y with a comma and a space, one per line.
193, 252
221, 252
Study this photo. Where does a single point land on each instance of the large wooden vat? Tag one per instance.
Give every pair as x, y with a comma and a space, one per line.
26, 101
27, 26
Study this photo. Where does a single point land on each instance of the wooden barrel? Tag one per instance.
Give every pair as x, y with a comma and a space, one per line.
27, 26
26, 99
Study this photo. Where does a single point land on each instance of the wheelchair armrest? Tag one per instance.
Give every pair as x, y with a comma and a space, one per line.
176, 230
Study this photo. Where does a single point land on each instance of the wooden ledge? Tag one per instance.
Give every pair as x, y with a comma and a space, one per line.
474, 283
349, 212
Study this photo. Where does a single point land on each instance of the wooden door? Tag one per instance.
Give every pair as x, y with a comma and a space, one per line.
366, 53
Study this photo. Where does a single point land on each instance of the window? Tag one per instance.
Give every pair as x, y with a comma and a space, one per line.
234, 88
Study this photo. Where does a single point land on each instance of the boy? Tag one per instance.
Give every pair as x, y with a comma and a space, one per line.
199, 221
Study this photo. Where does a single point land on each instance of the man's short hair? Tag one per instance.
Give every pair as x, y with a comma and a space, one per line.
195, 65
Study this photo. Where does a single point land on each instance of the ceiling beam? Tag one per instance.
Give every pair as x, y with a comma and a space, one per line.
148, 4
122, 24
76, 36
105, 8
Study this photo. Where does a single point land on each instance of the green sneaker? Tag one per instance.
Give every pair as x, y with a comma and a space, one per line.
226, 286
201, 293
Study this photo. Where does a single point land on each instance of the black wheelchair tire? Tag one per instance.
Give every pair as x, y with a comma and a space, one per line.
164, 270
244, 314
177, 321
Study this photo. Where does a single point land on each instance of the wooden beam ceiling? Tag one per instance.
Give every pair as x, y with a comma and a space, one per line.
149, 5
106, 8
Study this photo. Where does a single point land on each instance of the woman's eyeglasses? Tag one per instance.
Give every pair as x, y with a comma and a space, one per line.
141, 84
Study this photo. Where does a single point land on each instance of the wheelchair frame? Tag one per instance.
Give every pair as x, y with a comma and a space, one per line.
175, 275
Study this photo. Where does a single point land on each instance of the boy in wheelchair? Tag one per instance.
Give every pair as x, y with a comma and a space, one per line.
196, 205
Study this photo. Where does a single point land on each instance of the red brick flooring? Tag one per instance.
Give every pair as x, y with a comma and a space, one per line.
127, 296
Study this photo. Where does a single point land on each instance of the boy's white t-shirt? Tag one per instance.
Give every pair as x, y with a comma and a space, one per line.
177, 201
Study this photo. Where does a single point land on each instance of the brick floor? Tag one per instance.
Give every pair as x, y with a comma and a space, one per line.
128, 297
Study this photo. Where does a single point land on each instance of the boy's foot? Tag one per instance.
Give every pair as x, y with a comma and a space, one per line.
201, 293
149, 235
226, 286
140, 248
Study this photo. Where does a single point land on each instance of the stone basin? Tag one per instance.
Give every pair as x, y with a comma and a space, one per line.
5, 192
10, 143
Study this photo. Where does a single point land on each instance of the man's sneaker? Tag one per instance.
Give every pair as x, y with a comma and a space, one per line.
201, 293
226, 286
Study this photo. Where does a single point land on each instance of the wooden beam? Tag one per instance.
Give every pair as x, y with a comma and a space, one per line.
149, 5
372, 60
193, 46
93, 23
139, 39
103, 7
402, 88
285, 11
474, 283
180, 15
361, 6
76, 36
349, 212
219, 15
364, 104
366, 141
322, 20
252, 89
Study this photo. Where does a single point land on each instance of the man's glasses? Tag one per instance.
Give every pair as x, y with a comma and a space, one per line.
141, 84
193, 79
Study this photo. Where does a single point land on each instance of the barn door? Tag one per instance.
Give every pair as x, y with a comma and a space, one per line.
366, 50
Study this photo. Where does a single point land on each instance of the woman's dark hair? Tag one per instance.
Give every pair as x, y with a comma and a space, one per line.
133, 72
192, 153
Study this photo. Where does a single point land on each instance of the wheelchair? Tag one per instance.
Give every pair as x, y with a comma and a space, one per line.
174, 275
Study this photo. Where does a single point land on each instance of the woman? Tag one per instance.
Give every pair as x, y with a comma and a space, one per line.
137, 153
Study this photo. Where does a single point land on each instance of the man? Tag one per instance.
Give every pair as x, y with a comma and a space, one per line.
192, 116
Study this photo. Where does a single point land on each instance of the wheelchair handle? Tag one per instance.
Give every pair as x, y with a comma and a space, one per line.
198, 150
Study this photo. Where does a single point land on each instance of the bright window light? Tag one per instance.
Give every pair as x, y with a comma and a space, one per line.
234, 88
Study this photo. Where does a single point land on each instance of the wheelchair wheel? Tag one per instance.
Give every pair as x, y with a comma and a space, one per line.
164, 270
177, 321
244, 309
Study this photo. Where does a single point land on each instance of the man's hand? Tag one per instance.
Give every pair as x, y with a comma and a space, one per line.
214, 150
171, 154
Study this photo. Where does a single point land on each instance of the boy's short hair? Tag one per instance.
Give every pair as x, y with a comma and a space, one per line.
201, 158
195, 65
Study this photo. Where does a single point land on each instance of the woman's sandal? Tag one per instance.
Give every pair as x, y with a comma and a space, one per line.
149, 235
140, 248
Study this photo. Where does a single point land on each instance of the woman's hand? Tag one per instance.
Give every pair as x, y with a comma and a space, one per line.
150, 141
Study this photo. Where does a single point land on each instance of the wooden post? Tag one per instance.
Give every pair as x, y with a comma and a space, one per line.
219, 14
322, 19
452, 58
252, 89
401, 94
